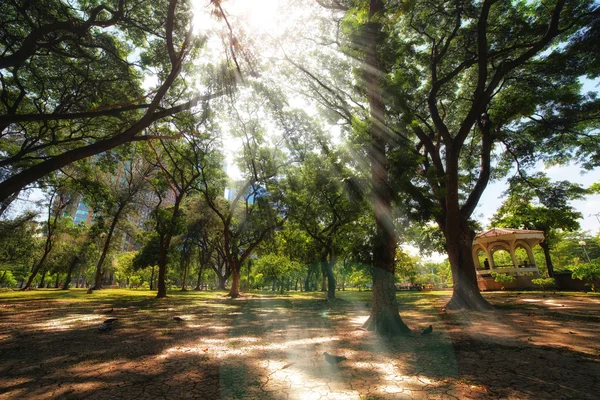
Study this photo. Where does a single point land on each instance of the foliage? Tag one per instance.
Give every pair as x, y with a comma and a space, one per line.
17, 241
72, 74
7, 279
587, 271
502, 278
543, 282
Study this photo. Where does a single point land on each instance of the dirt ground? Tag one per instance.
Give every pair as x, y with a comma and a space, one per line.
532, 346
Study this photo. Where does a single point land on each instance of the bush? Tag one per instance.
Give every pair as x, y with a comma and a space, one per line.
543, 282
587, 272
7, 279
502, 278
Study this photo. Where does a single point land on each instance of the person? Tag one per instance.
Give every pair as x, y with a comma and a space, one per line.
525, 264
486, 264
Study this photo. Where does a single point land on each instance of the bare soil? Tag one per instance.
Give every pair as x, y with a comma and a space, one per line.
532, 346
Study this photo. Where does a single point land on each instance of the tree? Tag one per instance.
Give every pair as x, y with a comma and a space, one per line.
58, 201
17, 241
255, 210
71, 80
553, 212
147, 257
114, 195
487, 81
324, 198
185, 166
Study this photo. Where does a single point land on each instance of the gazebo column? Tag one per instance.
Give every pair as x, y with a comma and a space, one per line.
514, 260
530, 256
490, 257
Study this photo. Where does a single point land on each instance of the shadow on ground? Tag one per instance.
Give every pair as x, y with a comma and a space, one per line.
270, 347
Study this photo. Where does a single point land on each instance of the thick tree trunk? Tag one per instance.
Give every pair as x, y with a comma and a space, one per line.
544, 245
234, 292
57, 281
221, 280
385, 318
69, 272
459, 239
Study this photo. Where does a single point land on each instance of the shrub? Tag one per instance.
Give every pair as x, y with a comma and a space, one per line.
502, 278
7, 279
543, 282
587, 272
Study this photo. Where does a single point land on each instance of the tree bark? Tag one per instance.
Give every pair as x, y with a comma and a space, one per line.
221, 279
162, 267
199, 281
544, 245
327, 267
37, 268
105, 248
234, 292
185, 276
152, 278
385, 318
41, 284
69, 272
459, 240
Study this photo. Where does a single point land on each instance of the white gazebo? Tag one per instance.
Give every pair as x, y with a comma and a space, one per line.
510, 240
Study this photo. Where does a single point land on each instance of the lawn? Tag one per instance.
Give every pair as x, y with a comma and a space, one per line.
264, 346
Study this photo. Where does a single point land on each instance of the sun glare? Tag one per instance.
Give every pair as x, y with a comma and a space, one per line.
254, 16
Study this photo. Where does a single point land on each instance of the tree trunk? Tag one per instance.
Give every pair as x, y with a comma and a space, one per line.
459, 239
221, 280
41, 284
326, 265
57, 280
544, 245
199, 281
152, 278
385, 318
185, 276
234, 292
105, 248
69, 272
307, 282
79, 278
162, 267
39, 265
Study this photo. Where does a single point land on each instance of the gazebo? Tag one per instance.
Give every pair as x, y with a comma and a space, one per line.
510, 240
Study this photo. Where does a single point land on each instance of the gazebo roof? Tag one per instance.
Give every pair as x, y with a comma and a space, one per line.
509, 235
